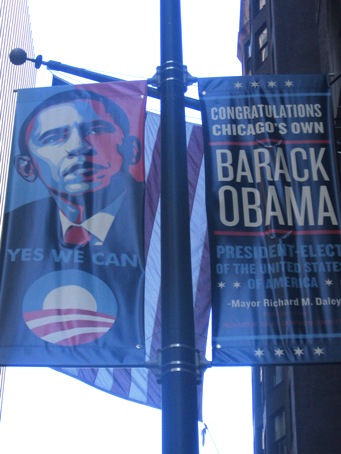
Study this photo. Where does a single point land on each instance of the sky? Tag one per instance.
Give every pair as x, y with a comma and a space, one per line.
43, 410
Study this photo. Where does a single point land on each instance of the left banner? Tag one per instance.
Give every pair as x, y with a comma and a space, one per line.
72, 252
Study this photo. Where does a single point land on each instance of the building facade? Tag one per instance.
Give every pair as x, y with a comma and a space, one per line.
296, 409
15, 31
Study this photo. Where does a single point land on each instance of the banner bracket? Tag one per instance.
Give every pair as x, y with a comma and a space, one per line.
176, 365
175, 72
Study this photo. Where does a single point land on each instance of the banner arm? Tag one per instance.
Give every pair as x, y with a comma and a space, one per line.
19, 57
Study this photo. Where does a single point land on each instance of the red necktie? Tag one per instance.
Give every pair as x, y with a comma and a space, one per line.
77, 235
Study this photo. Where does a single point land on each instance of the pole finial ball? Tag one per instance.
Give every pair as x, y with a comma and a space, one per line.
18, 56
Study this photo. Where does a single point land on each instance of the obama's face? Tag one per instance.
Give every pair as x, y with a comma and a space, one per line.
75, 147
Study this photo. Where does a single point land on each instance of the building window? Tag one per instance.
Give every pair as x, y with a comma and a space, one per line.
278, 375
263, 47
281, 447
280, 425
248, 50
247, 58
258, 6
261, 4
280, 433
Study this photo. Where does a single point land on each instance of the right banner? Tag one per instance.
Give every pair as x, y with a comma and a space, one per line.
273, 207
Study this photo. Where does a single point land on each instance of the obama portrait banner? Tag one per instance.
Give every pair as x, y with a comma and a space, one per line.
273, 204
72, 252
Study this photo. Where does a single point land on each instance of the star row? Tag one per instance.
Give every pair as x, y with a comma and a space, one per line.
237, 284
270, 84
298, 351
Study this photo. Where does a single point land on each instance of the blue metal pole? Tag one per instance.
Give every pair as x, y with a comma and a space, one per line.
178, 374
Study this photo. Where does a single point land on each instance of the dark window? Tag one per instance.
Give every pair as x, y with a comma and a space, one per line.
263, 47
247, 58
258, 6
261, 4
280, 433
278, 375
281, 447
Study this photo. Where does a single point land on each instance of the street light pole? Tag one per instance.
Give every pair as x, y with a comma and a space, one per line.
178, 356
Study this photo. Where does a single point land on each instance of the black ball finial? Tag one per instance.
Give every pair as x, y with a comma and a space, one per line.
18, 56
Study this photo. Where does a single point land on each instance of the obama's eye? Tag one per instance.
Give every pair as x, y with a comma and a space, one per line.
53, 136
98, 127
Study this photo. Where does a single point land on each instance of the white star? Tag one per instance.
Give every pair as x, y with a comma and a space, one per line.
254, 84
236, 284
289, 83
318, 351
279, 352
259, 352
298, 351
221, 284
238, 85
328, 282
272, 84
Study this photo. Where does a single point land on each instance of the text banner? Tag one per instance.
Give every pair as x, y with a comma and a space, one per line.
272, 196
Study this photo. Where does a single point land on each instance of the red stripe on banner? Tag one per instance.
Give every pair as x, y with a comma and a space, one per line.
121, 382
79, 339
195, 155
87, 375
281, 232
153, 188
55, 327
62, 312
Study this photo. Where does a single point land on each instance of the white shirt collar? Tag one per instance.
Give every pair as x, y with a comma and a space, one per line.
98, 224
